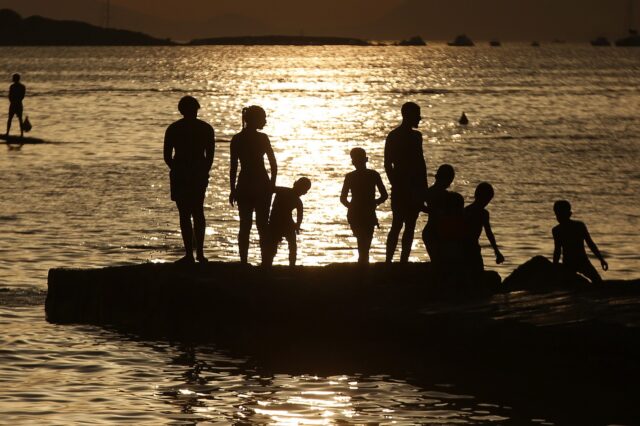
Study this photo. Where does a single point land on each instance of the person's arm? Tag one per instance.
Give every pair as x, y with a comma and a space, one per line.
299, 215
168, 149
233, 171
210, 149
594, 249
388, 160
272, 162
344, 194
557, 246
492, 238
382, 190
423, 163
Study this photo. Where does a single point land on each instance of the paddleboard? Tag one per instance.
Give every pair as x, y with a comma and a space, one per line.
17, 140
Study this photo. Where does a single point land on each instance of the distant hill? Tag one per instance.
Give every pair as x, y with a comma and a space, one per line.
282, 40
505, 19
39, 31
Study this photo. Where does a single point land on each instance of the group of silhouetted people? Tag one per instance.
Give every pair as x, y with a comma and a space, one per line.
451, 234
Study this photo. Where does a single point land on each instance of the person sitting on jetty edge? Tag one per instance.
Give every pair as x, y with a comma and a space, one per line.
254, 187
193, 141
362, 183
435, 204
477, 218
281, 223
569, 237
17, 92
407, 172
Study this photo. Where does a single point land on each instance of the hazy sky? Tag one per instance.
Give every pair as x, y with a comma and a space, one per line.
433, 19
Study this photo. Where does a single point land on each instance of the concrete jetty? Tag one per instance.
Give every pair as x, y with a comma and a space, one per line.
222, 297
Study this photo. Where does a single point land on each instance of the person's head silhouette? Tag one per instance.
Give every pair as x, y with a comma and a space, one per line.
445, 175
16, 78
359, 158
562, 209
188, 107
411, 114
484, 193
254, 117
302, 186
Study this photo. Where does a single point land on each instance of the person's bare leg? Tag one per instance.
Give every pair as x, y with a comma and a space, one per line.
246, 222
293, 249
392, 238
407, 238
9, 123
199, 225
21, 125
262, 223
186, 229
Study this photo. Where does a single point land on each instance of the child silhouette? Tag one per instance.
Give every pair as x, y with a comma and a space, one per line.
569, 237
477, 219
362, 184
281, 224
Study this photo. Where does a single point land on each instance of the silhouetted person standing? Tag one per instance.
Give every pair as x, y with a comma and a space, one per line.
407, 171
569, 237
254, 187
189, 145
362, 184
477, 218
17, 91
281, 223
437, 200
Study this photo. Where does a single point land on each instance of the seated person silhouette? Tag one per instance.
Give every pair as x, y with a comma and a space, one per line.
193, 142
407, 172
362, 184
477, 219
17, 92
281, 223
254, 186
435, 205
569, 237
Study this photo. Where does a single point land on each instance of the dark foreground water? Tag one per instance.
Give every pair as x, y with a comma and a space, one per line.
549, 123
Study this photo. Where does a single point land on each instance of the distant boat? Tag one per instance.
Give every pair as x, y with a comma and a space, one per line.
601, 41
462, 41
413, 41
535, 44
495, 43
632, 40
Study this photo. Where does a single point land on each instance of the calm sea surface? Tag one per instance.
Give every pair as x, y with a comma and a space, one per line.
556, 122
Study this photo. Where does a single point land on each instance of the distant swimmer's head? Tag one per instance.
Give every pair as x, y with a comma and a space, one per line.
411, 114
16, 78
358, 157
445, 175
188, 106
254, 117
302, 186
562, 209
484, 193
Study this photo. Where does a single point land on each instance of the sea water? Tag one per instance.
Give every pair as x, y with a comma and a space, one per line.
558, 122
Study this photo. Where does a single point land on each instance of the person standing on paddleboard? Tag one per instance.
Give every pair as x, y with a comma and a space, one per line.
17, 92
